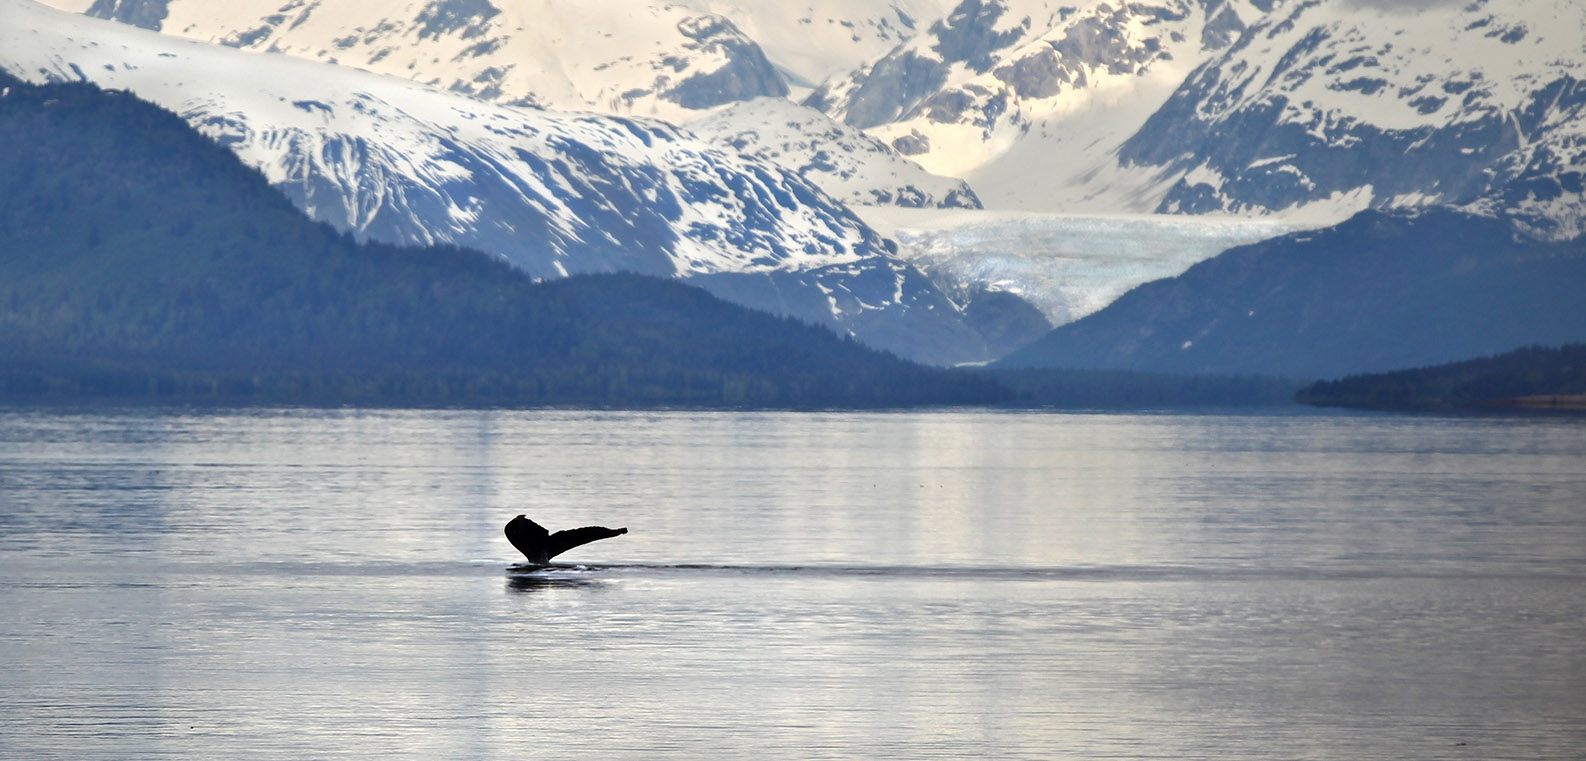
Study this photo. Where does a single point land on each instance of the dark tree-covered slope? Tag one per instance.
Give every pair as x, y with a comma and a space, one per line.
1549, 376
1378, 292
137, 257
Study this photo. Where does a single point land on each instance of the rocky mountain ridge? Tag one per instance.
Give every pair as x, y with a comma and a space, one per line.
1479, 104
609, 56
1305, 109
553, 193
1030, 93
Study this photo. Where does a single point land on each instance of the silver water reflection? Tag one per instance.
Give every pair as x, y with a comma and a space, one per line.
333, 584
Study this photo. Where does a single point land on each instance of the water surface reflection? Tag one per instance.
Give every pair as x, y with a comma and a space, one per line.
269, 584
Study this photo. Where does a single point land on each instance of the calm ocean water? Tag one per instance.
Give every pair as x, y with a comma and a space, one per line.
334, 584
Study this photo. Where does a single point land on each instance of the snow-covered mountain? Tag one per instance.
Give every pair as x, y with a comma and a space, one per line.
1300, 111
610, 56
1308, 109
662, 58
392, 160
675, 59
842, 160
1024, 97
1475, 103
812, 41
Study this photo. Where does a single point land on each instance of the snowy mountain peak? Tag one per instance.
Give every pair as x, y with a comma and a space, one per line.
1469, 103
393, 160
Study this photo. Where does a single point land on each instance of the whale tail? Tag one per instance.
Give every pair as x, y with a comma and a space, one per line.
539, 545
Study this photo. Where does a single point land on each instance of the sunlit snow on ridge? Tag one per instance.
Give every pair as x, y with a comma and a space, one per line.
1067, 265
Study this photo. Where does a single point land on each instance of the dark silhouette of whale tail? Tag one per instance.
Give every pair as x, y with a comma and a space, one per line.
539, 545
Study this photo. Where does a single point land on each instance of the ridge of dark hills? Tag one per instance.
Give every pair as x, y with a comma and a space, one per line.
138, 259
1534, 376
1378, 292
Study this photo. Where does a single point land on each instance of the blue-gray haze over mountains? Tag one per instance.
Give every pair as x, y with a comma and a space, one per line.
1290, 110
140, 260
1381, 291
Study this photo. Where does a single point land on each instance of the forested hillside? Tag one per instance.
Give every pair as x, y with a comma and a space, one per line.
138, 258
1379, 292
1533, 376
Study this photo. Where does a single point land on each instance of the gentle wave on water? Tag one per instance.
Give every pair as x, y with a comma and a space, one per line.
1170, 573
132, 575
335, 584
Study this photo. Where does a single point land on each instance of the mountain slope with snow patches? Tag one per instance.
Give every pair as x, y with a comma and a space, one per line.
1307, 109
674, 59
610, 56
394, 161
1027, 97
843, 161
1019, 96
812, 41
1479, 104
663, 58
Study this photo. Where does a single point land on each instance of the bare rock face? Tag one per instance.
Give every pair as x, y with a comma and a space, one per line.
912, 144
897, 85
1222, 30
746, 75
147, 14
971, 34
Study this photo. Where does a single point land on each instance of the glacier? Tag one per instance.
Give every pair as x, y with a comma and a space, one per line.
1066, 265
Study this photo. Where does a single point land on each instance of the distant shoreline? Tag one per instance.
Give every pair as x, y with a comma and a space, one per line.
1541, 401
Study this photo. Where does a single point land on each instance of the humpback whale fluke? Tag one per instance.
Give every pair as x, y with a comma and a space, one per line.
539, 545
